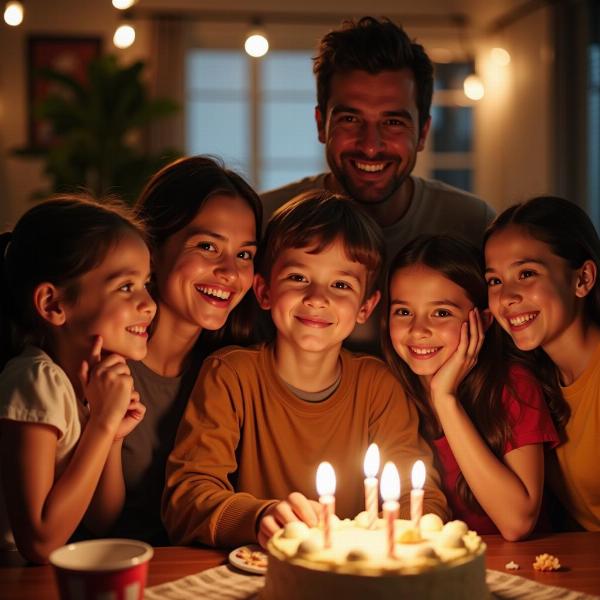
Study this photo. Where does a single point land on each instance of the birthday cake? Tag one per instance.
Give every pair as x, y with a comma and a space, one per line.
433, 561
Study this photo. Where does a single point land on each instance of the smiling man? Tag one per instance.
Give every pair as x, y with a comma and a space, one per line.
374, 89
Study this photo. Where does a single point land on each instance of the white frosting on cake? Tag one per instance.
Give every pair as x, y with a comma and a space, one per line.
434, 559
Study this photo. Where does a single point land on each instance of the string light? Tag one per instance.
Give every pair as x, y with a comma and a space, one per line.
124, 36
256, 45
123, 4
13, 13
473, 87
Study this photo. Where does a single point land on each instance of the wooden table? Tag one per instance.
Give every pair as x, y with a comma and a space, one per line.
579, 553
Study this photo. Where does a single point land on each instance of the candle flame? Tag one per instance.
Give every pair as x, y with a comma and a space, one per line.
325, 479
418, 475
390, 482
371, 464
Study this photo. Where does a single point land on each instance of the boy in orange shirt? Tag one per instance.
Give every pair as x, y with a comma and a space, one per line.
261, 419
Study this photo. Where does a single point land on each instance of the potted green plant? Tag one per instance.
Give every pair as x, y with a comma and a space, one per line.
98, 130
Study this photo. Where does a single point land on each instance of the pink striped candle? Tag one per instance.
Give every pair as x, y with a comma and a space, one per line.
390, 492
326, 491
390, 514
371, 467
327, 505
416, 494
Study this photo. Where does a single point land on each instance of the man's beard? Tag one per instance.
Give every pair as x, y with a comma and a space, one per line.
357, 193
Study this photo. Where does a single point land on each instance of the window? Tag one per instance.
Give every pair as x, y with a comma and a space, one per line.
258, 115
217, 113
450, 142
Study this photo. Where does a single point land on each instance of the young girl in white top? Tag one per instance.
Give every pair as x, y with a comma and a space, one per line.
74, 306
542, 260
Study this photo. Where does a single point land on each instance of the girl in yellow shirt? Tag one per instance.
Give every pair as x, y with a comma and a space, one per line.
542, 261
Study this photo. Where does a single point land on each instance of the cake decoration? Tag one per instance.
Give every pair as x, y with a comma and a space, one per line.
386, 558
430, 560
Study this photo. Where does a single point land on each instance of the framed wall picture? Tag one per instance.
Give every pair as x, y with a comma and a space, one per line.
68, 55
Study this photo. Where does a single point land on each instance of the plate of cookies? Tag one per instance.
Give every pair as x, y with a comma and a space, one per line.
251, 558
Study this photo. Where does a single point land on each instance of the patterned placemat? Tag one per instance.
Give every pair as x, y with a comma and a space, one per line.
512, 587
226, 583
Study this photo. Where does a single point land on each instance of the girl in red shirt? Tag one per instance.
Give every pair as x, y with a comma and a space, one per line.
481, 409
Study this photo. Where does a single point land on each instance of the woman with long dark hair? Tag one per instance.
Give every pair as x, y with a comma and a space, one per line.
203, 222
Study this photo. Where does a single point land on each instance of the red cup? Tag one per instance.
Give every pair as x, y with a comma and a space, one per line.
111, 569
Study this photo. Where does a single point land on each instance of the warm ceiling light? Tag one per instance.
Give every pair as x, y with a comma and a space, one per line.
473, 87
13, 13
124, 36
500, 56
123, 4
256, 44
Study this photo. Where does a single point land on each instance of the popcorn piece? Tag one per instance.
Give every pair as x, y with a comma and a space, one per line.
511, 566
546, 562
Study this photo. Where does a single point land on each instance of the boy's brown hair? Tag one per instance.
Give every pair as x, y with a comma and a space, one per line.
315, 220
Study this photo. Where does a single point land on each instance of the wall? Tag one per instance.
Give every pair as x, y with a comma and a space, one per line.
513, 146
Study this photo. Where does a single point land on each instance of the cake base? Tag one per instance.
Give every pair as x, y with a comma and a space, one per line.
289, 581
430, 561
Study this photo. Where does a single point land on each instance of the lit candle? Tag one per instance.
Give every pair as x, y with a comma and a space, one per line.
371, 467
390, 492
416, 494
326, 491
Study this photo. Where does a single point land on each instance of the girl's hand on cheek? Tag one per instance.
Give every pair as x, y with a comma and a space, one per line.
447, 379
